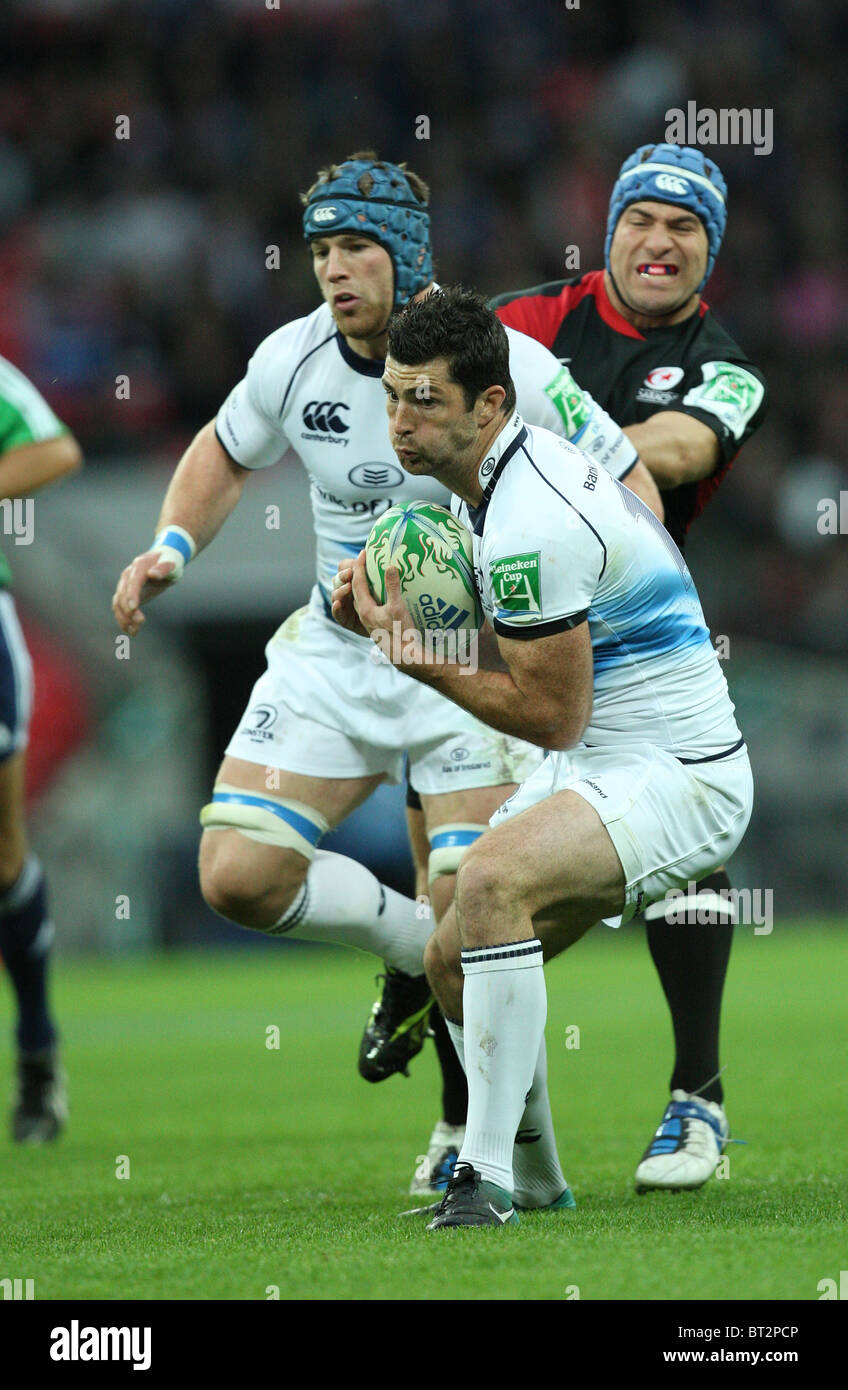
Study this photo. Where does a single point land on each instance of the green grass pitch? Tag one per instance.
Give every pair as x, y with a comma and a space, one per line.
253, 1168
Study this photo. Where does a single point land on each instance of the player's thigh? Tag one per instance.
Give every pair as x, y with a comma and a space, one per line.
419, 843
473, 805
554, 862
334, 798
13, 841
459, 816
557, 929
242, 863
302, 750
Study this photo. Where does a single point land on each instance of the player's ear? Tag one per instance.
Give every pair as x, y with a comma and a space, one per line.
489, 403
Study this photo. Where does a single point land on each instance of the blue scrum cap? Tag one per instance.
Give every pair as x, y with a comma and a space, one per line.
388, 212
674, 174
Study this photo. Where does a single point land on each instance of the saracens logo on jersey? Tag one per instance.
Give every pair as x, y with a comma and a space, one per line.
325, 420
664, 378
659, 384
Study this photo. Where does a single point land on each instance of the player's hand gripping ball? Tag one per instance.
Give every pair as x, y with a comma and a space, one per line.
434, 557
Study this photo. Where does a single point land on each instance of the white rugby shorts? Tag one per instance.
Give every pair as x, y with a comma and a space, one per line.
671, 822
325, 707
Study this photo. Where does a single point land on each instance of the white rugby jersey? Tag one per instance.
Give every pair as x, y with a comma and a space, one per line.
558, 541
305, 388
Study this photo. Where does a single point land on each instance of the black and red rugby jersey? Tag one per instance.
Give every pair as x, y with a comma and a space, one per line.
634, 373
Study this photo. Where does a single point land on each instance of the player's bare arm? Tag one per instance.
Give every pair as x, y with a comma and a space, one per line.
543, 696
203, 491
489, 656
32, 466
676, 448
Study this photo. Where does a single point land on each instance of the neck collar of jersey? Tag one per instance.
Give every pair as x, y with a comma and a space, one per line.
505, 445
366, 366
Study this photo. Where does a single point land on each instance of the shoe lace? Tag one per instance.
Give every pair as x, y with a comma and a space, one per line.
463, 1176
709, 1081
675, 1107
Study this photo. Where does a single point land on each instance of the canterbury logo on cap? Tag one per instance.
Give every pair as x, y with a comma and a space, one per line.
670, 183
668, 171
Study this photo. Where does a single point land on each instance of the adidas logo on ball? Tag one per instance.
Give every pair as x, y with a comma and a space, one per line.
442, 615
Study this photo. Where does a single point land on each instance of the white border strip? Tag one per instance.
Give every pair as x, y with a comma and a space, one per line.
673, 169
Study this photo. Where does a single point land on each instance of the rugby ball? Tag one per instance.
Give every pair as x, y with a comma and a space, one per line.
434, 556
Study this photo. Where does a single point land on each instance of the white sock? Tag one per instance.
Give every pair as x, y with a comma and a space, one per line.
537, 1175
457, 1036
341, 901
504, 1007
536, 1168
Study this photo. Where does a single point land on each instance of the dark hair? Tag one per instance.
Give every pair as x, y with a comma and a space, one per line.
455, 324
331, 171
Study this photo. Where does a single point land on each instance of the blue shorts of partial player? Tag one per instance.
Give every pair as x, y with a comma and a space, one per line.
15, 681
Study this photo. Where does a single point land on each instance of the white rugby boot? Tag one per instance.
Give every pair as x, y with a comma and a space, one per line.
687, 1146
434, 1169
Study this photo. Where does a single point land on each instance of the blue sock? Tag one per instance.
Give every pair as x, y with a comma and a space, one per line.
25, 937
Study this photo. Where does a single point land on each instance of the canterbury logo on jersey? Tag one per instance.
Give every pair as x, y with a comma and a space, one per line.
324, 416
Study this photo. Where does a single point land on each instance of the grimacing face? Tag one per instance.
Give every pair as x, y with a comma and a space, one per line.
658, 257
356, 278
430, 427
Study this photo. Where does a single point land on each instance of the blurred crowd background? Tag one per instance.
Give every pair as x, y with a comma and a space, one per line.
147, 256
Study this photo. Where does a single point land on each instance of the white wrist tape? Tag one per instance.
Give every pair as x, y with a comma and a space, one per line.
604, 442
175, 544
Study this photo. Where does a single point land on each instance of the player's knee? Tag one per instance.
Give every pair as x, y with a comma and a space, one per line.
238, 886
482, 889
